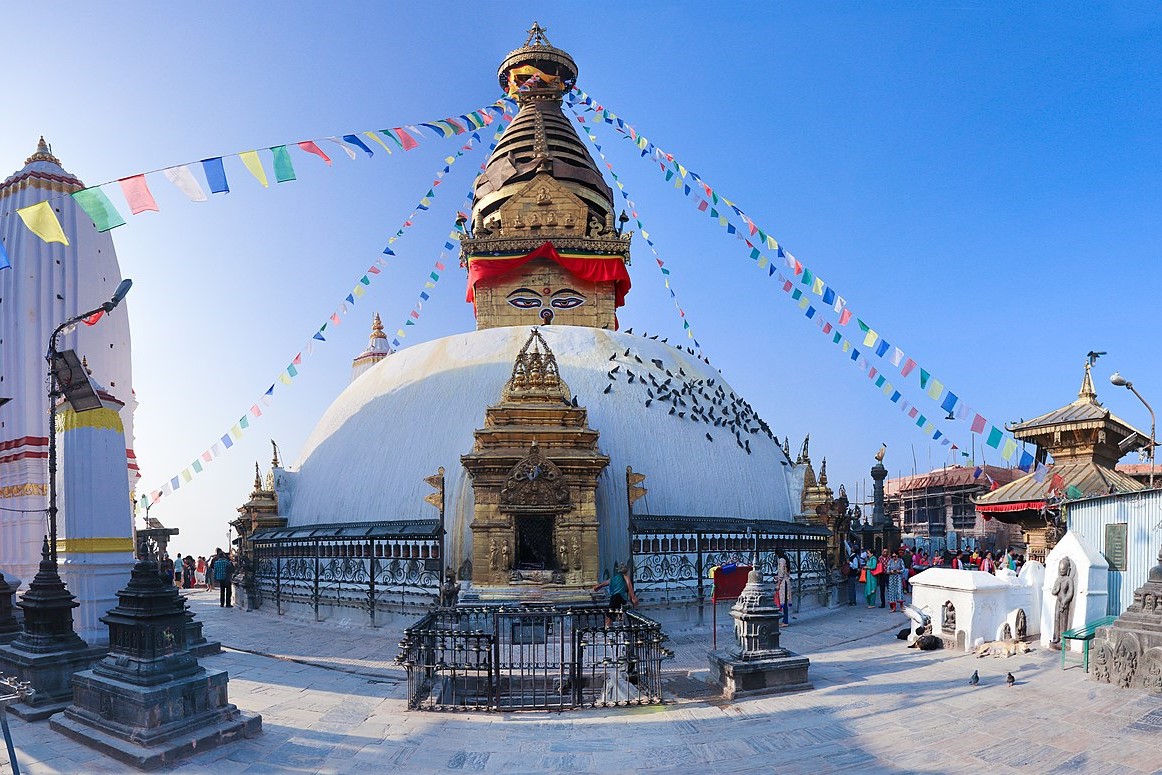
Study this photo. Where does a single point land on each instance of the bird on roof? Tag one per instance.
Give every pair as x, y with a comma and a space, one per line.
614, 369
974, 679
672, 410
681, 415
574, 400
1009, 679
655, 336
607, 388
630, 378
639, 360
648, 402
613, 357
629, 330
709, 437
627, 352
657, 362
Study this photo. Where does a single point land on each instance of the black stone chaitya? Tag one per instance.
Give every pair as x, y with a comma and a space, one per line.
150, 703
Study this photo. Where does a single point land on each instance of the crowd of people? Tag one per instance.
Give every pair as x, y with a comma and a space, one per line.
190, 573
885, 576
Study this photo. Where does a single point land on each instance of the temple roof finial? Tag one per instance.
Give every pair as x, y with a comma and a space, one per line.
43, 153
537, 36
257, 477
1087, 391
823, 472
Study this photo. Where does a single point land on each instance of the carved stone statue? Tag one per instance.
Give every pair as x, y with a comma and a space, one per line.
493, 554
1063, 591
563, 553
576, 553
949, 624
505, 562
543, 197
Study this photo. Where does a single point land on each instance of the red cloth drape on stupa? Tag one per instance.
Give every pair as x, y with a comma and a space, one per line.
592, 269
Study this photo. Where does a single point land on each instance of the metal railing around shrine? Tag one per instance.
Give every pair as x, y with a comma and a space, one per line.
673, 564
371, 574
531, 659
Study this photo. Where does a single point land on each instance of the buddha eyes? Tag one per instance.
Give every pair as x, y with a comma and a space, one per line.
527, 298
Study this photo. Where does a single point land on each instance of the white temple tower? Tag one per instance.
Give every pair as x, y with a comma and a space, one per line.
47, 284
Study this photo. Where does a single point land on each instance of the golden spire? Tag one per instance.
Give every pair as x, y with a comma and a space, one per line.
43, 153
534, 373
257, 477
823, 473
274, 459
376, 330
1087, 392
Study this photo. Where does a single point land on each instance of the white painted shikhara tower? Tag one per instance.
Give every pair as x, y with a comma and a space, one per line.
47, 284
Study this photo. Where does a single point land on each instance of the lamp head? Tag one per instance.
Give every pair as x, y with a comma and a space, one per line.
1119, 380
118, 295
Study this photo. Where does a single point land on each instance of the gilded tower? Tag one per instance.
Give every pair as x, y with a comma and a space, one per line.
544, 245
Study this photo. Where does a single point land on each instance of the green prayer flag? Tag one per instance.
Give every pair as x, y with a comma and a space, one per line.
197, 464
98, 207
244, 422
283, 169
924, 382
808, 278
1073, 492
994, 439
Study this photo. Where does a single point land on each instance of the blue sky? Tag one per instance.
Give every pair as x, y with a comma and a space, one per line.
979, 180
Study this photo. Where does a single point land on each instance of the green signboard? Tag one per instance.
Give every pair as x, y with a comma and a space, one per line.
1115, 547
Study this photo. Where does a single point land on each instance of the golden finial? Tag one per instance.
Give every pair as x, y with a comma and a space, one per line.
537, 36
43, 153
823, 472
257, 477
376, 329
274, 459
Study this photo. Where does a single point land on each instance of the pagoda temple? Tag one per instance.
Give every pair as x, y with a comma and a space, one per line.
1086, 442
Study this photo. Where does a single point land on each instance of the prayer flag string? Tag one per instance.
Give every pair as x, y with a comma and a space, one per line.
758, 242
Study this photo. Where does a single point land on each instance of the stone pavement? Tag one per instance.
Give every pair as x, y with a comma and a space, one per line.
332, 701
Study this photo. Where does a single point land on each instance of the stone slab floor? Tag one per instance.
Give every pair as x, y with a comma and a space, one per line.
332, 701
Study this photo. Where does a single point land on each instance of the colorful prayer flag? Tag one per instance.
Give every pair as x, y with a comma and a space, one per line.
215, 175
354, 140
310, 147
284, 170
994, 439
42, 221
185, 182
137, 193
98, 207
254, 164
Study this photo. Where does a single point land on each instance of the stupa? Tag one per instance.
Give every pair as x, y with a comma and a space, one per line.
531, 496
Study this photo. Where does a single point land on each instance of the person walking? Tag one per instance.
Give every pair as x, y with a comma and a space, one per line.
868, 574
895, 575
620, 592
200, 573
222, 569
882, 576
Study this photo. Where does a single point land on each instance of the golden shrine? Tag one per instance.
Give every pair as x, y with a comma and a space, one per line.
534, 469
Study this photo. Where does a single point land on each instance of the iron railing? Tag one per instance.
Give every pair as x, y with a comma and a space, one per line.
531, 658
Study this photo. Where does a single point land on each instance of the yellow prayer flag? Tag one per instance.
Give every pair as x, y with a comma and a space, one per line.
41, 221
236, 432
186, 475
722, 220
358, 290
817, 287
846, 345
375, 137
681, 170
929, 427
870, 338
888, 388
254, 164
935, 387
284, 378
400, 333
803, 302
771, 243
763, 262
1009, 450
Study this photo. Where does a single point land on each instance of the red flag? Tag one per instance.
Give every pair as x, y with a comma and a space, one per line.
978, 423
844, 317
1056, 484
310, 147
906, 369
407, 141
137, 194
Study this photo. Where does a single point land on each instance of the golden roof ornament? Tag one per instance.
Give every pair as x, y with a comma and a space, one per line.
257, 477
376, 330
535, 371
43, 153
1087, 391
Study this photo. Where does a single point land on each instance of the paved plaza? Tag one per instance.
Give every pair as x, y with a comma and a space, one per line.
332, 701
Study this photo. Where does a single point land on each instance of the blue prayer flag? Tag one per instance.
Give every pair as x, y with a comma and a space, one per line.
215, 175
1026, 461
882, 348
895, 396
4, 262
828, 296
357, 142
977, 472
949, 402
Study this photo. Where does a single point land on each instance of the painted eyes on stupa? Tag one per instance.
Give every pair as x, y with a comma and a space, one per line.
527, 298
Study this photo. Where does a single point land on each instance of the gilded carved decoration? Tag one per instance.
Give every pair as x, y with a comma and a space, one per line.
535, 484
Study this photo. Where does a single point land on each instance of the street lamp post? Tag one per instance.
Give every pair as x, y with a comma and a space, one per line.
54, 394
1120, 381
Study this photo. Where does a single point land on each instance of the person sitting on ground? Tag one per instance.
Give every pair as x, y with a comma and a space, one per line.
620, 592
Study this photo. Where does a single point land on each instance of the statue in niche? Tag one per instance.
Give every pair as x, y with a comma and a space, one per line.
570, 220
949, 617
493, 555
543, 197
534, 221
517, 223
505, 556
576, 553
550, 218
1063, 590
563, 553
1022, 625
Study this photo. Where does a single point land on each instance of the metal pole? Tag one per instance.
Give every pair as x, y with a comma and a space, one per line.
8, 738
1152, 429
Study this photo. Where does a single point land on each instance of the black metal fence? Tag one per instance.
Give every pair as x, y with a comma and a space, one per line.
369, 573
531, 659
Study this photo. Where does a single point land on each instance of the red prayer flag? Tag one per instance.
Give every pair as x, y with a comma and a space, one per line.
310, 147
703, 204
844, 317
407, 141
906, 369
137, 193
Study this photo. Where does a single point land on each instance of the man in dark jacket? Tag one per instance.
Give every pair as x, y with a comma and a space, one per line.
223, 571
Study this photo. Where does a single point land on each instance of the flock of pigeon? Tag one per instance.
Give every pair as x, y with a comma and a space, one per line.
694, 400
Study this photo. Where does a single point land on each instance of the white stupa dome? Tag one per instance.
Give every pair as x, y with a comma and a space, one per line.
416, 411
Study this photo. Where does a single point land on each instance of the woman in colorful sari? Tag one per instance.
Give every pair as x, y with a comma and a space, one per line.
895, 576
870, 586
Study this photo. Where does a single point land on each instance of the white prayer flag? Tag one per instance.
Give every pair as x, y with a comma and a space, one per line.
185, 182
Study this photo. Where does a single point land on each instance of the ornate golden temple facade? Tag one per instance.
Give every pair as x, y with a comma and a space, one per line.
534, 469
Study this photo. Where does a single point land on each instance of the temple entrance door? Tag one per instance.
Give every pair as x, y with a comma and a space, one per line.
534, 542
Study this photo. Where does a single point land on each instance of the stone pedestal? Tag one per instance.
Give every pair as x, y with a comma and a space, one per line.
1128, 653
757, 664
47, 652
149, 703
196, 642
